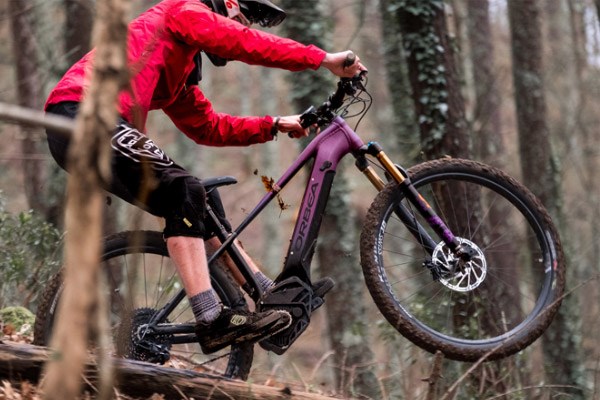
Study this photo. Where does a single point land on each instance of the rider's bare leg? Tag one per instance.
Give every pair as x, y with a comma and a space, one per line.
217, 327
190, 259
189, 256
214, 243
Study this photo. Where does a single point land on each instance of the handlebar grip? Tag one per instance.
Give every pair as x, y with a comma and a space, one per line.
350, 60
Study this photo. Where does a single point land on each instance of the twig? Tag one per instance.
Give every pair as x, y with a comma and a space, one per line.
501, 395
319, 363
300, 376
183, 396
435, 375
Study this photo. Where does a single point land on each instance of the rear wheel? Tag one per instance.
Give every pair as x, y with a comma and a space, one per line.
496, 303
138, 268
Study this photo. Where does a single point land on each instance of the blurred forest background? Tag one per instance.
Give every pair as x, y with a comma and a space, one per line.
512, 83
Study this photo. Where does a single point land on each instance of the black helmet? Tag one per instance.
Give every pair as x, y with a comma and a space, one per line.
261, 12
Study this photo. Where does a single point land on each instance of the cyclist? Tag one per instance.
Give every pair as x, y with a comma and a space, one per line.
164, 46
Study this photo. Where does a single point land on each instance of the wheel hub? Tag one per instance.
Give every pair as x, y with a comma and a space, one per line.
457, 274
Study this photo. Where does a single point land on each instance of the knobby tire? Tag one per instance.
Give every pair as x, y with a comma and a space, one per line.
464, 315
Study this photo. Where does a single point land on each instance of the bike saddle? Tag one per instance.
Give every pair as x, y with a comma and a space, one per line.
211, 183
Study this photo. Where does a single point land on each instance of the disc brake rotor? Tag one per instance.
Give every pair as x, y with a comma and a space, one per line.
456, 274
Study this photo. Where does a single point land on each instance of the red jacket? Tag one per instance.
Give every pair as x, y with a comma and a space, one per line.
162, 43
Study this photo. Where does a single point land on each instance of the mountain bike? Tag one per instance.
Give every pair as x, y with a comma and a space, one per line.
458, 257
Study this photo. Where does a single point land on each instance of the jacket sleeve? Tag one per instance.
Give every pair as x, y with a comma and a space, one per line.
194, 24
193, 114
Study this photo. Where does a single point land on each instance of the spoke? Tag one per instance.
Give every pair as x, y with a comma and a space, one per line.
145, 279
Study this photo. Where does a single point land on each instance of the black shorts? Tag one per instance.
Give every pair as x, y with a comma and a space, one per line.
142, 173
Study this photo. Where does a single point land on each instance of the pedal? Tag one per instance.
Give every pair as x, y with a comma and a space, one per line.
320, 289
294, 296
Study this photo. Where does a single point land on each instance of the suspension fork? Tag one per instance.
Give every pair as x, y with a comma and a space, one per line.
413, 196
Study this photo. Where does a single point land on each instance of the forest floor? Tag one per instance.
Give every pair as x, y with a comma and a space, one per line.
25, 390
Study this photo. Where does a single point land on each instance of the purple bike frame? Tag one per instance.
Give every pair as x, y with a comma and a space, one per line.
327, 149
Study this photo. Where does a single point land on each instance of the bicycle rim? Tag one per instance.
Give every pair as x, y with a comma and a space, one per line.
499, 302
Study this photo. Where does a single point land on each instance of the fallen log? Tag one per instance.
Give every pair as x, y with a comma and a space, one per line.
24, 362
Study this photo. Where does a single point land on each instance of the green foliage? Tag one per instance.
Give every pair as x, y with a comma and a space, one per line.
29, 255
19, 318
423, 44
418, 8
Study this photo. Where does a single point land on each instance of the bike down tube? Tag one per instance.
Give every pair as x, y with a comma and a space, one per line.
422, 206
327, 149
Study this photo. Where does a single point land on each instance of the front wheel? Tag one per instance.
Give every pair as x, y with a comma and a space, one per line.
140, 279
496, 303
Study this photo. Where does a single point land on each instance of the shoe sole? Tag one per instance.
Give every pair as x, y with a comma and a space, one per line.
280, 321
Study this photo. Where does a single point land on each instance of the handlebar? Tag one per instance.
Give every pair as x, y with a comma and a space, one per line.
326, 112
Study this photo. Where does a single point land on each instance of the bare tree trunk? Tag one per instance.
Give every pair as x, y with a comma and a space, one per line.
487, 131
487, 121
563, 359
79, 19
89, 162
28, 95
348, 331
559, 70
273, 243
78, 24
586, 122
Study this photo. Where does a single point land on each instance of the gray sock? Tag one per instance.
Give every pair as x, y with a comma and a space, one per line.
264, 282
205, 306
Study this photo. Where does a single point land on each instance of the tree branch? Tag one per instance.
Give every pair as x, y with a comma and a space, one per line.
30, 117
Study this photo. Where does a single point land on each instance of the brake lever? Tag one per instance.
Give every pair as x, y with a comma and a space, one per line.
350, 85
359, 80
